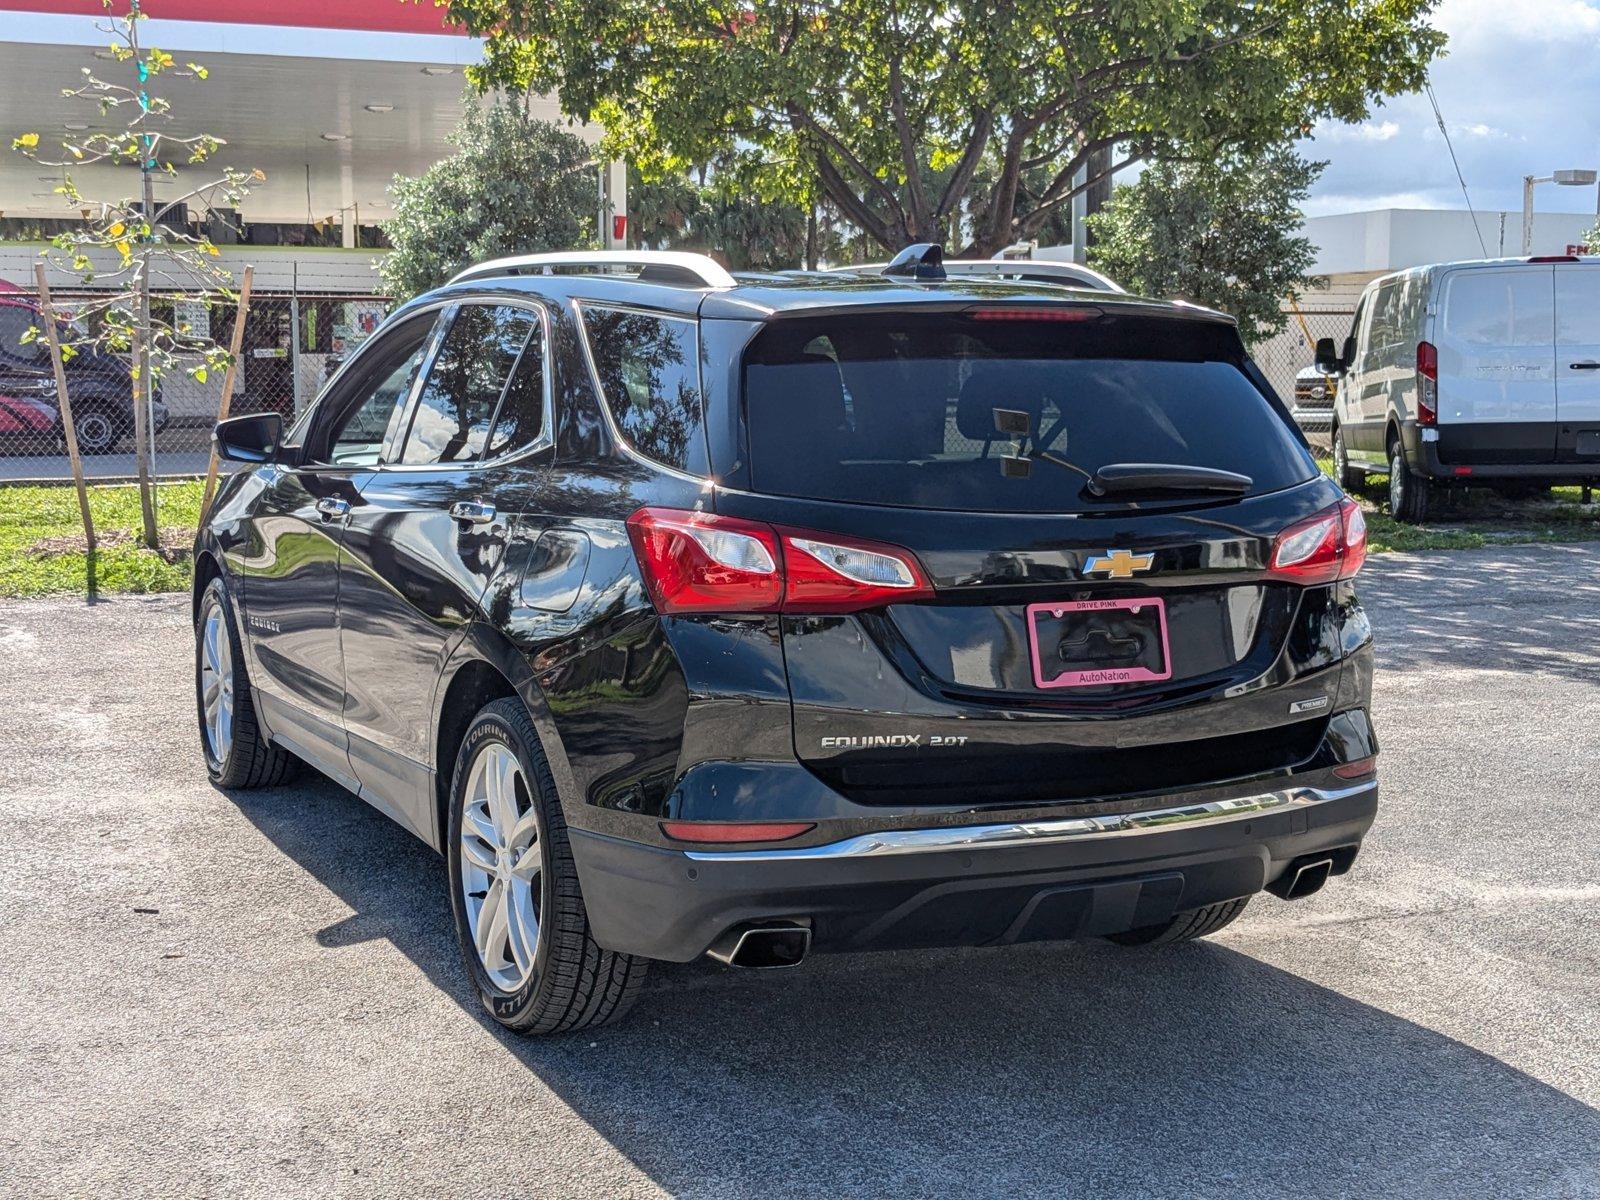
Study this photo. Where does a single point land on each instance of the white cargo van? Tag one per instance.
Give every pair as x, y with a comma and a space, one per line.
1471, 373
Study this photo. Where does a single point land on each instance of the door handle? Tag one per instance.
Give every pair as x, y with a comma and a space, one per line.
472, 512
331, 507
1586, 365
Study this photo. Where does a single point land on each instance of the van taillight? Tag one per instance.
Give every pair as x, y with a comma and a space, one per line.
1331, 545
1427, 384
702, 563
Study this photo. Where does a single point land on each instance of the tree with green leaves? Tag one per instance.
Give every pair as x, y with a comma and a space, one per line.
722, 216
1224, 233
515, 185
918, 120
145, 249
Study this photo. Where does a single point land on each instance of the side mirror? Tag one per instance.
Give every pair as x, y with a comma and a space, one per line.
1328, 359
249, 439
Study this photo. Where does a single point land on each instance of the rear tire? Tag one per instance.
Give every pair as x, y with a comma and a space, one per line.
514, 888
1185, 926
1350, 478
1410, 495
237, 752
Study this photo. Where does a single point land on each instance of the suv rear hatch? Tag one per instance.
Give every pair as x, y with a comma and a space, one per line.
1043, 642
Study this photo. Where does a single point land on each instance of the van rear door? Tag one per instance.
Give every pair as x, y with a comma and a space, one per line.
1577, 290
1495, 334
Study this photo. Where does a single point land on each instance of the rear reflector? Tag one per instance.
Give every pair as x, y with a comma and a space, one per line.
1355, 770
735, 831
695, 562
1331, 545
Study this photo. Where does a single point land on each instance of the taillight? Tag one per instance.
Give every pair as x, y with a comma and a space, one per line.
824, 573
1427, 384
1331, 545
698, 562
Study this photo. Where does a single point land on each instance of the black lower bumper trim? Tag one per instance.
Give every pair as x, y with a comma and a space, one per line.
666, 904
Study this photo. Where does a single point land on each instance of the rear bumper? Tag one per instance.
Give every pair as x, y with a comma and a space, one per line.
974, 885
1422, 452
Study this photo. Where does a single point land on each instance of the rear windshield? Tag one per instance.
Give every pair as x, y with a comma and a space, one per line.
900, 409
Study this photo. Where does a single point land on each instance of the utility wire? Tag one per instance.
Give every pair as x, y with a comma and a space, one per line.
1449, 145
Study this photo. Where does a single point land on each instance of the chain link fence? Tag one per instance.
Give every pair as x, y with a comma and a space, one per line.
290, 346
1287, 362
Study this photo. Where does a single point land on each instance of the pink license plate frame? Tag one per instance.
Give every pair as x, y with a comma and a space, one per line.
1105, 676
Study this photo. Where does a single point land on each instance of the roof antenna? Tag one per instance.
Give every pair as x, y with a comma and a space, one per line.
925, 260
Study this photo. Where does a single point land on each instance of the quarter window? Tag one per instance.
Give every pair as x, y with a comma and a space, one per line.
520, 422
456, 409
650, 380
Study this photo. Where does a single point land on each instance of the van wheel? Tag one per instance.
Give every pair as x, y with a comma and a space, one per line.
1350, 478
1185, 927
514, 892
1409, 494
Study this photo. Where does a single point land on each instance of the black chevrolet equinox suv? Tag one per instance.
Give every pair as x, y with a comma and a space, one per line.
695, 614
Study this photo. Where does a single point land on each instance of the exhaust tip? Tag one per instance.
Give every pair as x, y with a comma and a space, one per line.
763, 947
1304, 877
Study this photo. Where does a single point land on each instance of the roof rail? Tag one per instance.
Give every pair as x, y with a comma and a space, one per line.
660, 266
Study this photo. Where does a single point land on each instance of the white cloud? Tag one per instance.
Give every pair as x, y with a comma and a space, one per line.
1520, 91
1366, 132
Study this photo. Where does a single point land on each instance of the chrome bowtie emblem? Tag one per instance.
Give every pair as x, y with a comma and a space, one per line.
1118, 564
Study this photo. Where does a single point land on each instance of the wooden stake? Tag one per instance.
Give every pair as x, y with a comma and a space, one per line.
69, 430
227, 386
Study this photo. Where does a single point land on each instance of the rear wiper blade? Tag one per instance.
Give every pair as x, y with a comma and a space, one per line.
1115, 479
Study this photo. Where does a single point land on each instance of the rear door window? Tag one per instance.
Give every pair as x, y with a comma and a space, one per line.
460, 398
649, 374
900, 409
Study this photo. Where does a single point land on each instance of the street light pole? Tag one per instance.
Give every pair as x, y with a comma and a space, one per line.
1573, 178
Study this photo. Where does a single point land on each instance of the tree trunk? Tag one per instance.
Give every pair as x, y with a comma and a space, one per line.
227, 385
811, 236
69, 429
142, 385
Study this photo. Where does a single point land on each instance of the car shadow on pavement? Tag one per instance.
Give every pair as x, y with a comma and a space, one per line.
1043, 1069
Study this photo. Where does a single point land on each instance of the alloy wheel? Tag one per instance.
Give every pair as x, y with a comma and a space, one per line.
216, 683
501, 866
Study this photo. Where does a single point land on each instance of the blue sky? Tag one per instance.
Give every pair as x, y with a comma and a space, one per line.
1520, 92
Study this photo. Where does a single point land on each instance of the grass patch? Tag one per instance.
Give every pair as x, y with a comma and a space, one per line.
42, 550
1470, 519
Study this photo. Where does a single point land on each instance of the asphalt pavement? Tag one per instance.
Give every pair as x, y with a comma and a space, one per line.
259, 995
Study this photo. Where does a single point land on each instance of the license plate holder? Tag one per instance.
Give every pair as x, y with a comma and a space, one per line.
1098, 643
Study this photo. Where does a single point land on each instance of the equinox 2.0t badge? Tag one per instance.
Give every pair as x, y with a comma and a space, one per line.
1118, 564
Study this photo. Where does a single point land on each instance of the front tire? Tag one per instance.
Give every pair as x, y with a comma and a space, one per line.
1185, 926
237, 752
1350, 478
514, 891
1410, 495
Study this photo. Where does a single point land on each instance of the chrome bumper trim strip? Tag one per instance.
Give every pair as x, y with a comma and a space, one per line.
1031, 833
